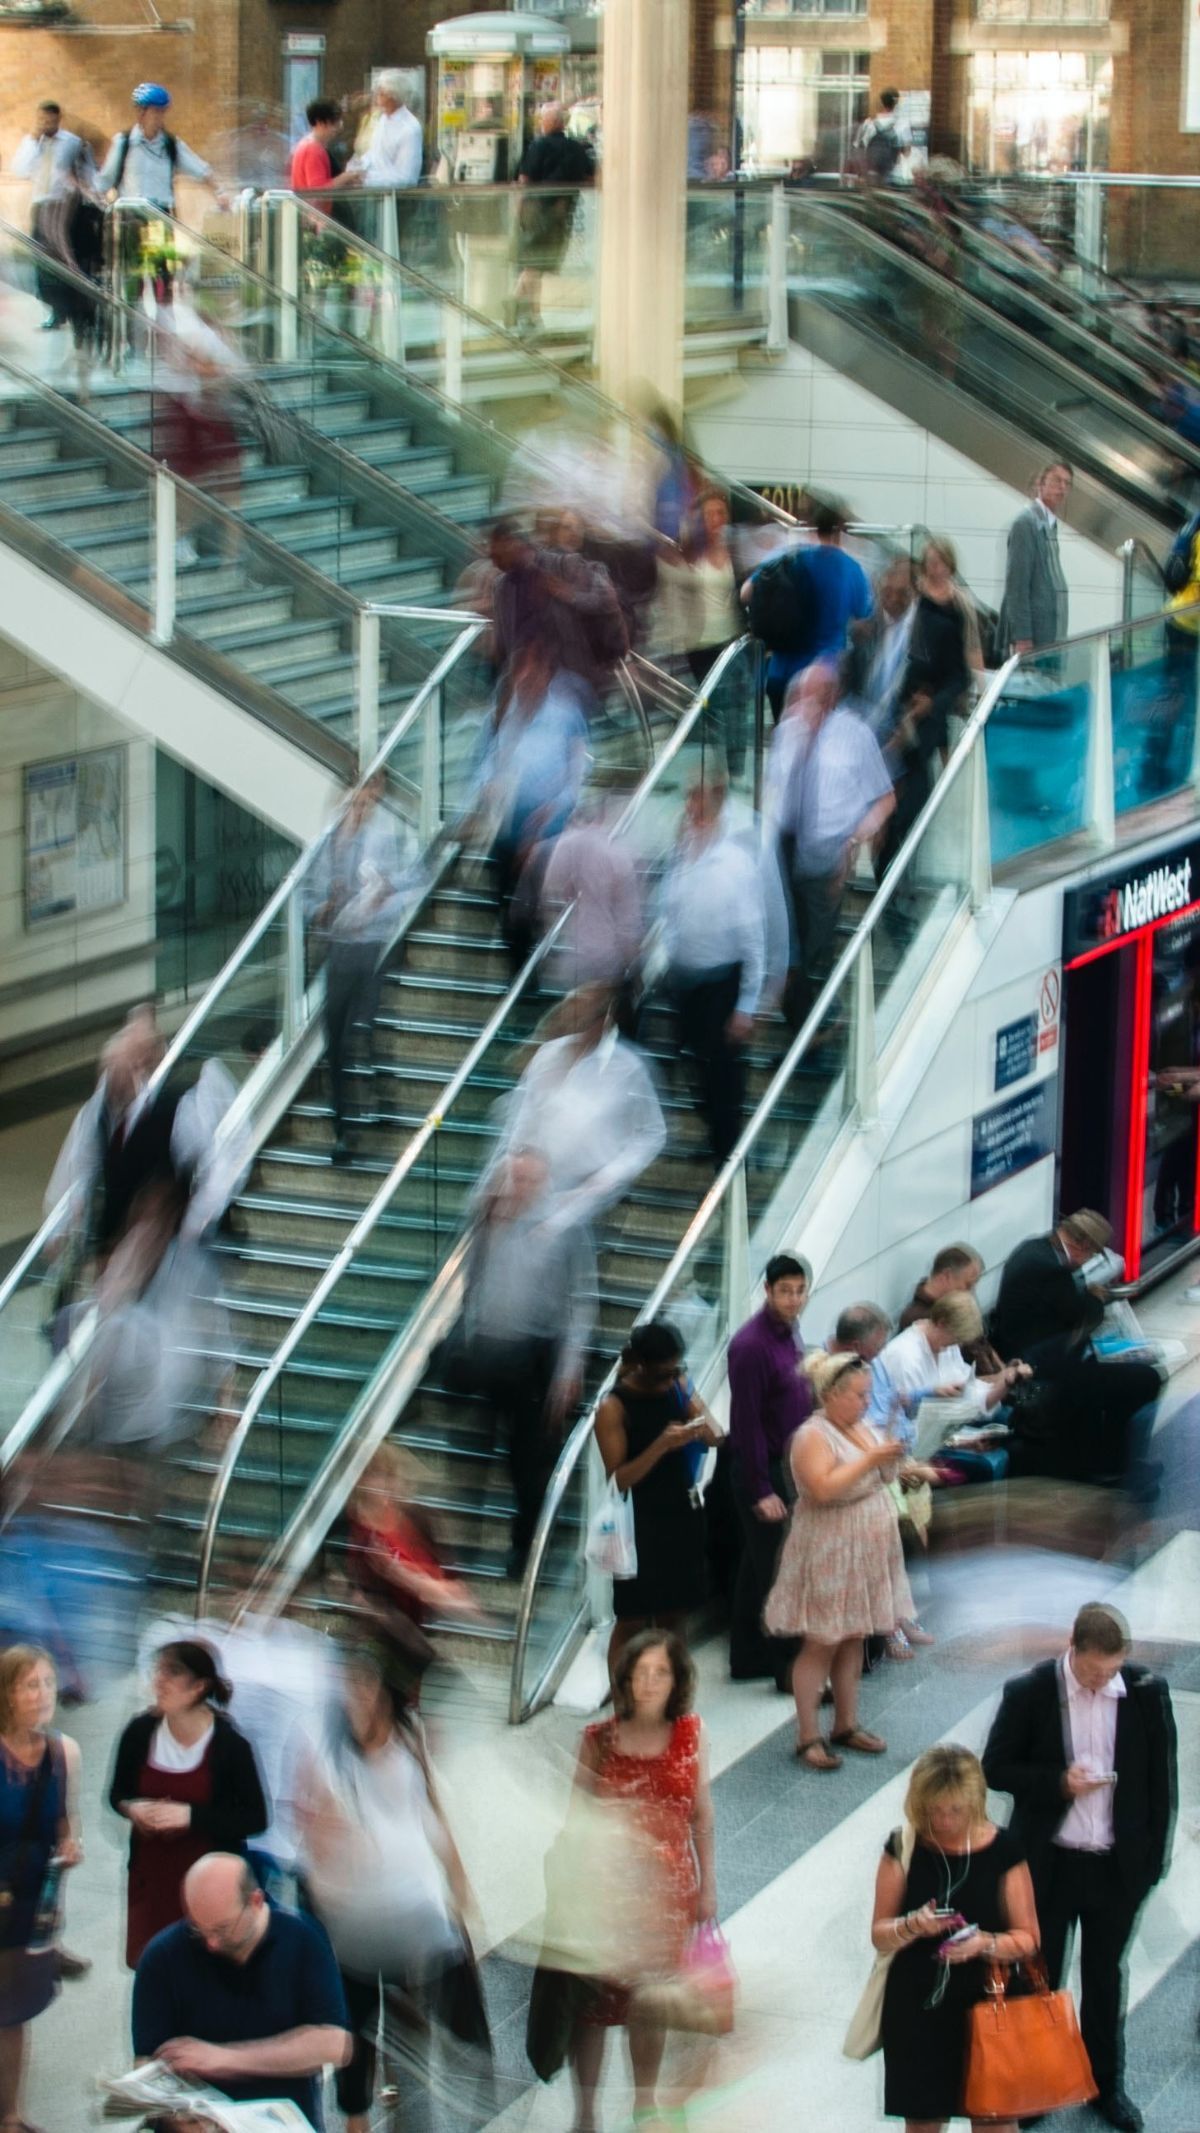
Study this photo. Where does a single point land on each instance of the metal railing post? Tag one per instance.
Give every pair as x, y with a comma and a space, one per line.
1127, 552
863, 1059
289, 276
368, 686
293, 970
452, 354
777, 274
979, 828
735, 1278
164, 557
1100, 813
432, 751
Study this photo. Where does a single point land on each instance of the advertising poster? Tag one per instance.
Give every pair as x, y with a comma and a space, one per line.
74, 835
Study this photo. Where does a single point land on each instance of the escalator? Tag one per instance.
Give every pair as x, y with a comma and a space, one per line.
1084, 314
988, 387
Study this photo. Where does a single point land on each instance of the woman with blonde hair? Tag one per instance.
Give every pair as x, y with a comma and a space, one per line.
39, 1782
841, 1572
948, 1867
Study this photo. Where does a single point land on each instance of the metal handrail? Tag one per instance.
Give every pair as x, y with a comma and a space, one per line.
569, 1457
415, 1148
1168, 440
568, 381
1128, 554
249, 941
1021, 276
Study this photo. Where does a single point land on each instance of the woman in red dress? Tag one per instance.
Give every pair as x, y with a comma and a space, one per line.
187, 1781
651, 1757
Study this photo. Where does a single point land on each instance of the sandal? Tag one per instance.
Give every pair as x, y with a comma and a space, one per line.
898, 1646
858, 1741
816, 1755
914, 1634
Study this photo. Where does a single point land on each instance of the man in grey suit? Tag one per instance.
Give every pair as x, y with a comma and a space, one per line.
1034, 609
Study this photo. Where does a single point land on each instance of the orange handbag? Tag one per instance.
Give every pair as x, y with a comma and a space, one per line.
1024, 2055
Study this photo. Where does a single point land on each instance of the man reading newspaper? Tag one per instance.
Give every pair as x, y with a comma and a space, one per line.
240, 1995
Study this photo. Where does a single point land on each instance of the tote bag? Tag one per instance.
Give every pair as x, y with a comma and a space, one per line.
1025, 2056
865, 2034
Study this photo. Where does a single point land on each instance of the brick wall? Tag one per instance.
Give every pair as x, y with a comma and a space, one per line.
218, 59
905, 60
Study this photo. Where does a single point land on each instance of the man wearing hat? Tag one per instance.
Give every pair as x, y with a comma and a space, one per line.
1096, 1413
142, 163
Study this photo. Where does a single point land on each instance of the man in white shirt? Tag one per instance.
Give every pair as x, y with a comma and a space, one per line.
61, 167
714, 926
830, 793
395, 147
1086, 1746
926, 1361
881, 647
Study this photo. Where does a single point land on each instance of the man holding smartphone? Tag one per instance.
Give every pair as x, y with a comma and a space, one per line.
1086, 1746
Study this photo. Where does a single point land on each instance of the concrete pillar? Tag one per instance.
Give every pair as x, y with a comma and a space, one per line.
643, 208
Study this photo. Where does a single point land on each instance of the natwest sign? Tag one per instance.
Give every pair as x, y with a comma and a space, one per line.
1108, 910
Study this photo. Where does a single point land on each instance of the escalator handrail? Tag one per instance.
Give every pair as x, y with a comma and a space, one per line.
415, 1148
584, 1428
568, 382
1167, 440
277, 902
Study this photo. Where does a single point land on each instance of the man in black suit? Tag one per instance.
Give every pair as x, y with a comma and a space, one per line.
1086, 1746
1097, 1413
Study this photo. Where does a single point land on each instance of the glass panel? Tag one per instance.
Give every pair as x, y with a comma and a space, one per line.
560, 1595
931, 890
1038, 740
842, 269
1153, 681
727, 229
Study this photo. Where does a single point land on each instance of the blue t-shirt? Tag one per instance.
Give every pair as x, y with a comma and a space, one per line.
841, 594
290, 1981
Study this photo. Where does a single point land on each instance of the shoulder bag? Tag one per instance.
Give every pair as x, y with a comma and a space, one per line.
865, 2034
1024, 2056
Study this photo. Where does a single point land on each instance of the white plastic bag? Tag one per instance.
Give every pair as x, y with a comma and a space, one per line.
610, 1543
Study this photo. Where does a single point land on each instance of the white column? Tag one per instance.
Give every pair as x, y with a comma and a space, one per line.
644, 197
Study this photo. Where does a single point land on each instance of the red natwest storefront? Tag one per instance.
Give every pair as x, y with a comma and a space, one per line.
1131, 1063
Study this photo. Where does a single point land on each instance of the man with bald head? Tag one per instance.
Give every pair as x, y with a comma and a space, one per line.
556, 160
241, 1995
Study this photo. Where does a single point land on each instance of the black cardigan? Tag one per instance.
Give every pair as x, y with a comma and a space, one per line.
238, 1808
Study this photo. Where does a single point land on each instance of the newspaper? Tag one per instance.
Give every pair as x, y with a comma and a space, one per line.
153, 2089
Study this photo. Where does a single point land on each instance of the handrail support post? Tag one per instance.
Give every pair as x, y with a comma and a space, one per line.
164, 556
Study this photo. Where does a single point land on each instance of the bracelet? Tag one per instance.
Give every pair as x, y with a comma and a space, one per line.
995, 1949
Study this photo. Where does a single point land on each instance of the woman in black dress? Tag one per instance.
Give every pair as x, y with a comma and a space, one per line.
645, 1428
962, 1864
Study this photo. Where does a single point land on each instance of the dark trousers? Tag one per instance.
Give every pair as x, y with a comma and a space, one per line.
1087, 1889
352, 981
704, 1006
518, 878
816, 902
752, 1654
453, 2001
515, 1378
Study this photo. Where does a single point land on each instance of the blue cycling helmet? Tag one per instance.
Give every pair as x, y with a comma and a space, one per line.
151, 93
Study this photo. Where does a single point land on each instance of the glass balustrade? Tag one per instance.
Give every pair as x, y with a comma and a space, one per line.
263, 1001
316, 1395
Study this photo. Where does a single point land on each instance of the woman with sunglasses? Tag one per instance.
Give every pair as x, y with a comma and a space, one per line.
841, 1574
187, 1782
645, 1429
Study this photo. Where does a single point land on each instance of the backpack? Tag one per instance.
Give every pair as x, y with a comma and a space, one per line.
1177, 570
881, 152
782, 605
172, 148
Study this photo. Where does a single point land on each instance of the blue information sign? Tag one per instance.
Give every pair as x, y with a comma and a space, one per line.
1012, 1135
1016, 1051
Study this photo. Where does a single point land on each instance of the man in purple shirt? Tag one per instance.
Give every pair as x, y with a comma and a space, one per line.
769, 1397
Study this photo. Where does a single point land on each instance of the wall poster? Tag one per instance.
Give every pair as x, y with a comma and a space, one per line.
75, 835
